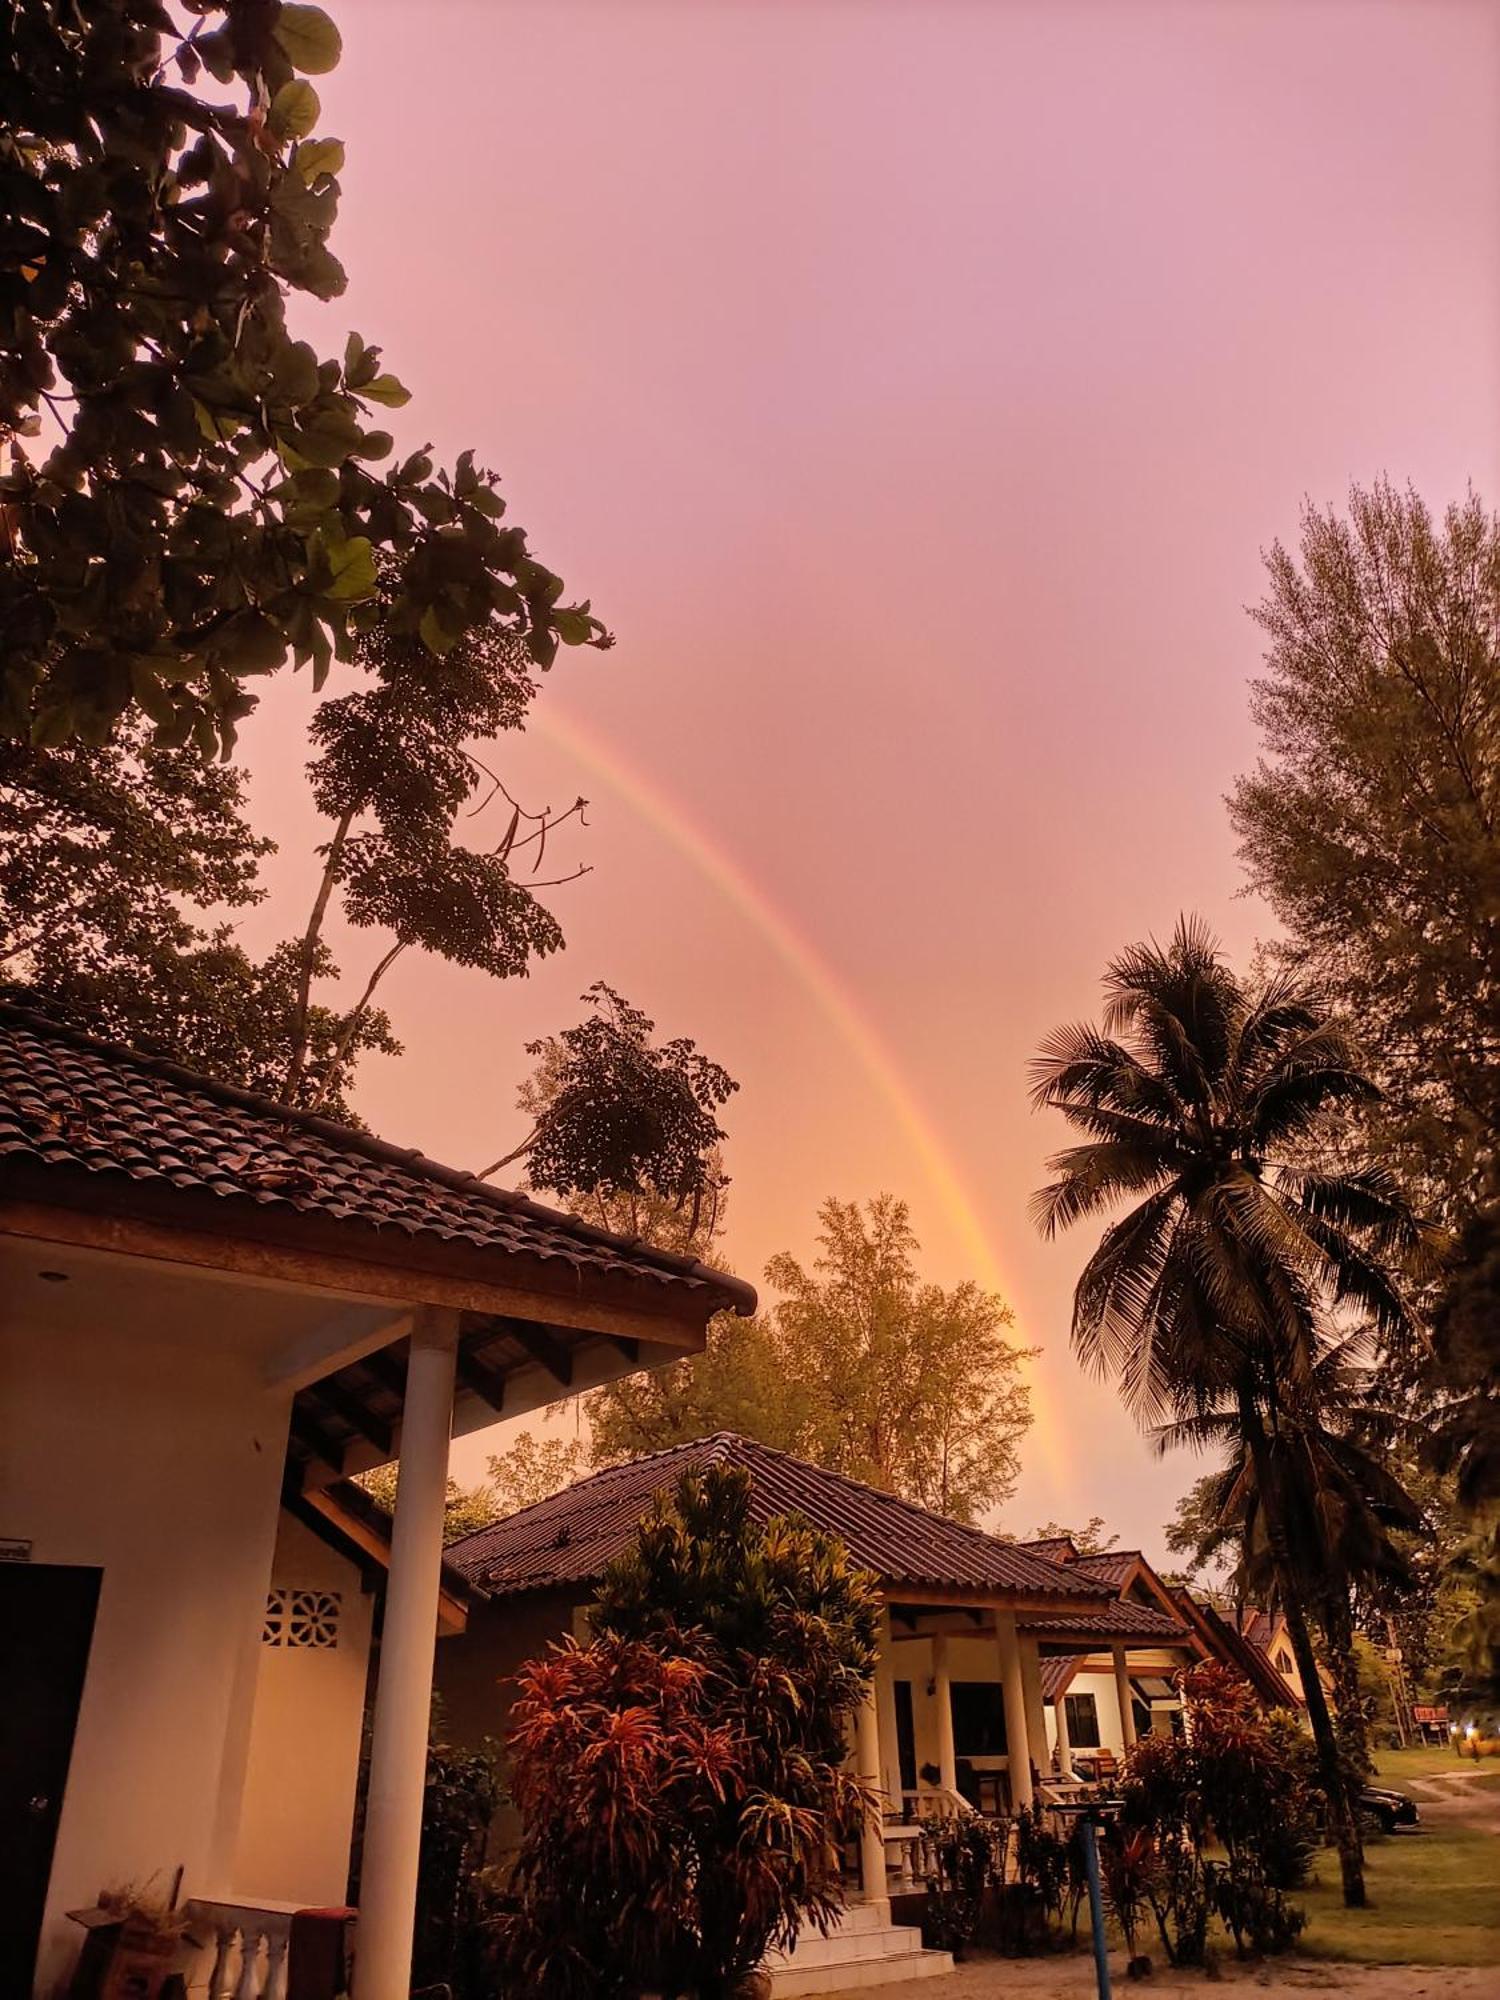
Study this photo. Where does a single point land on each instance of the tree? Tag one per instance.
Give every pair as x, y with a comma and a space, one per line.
1089, 1540
1335, 1498
738, 1383
622, 1124
120, 865
1198, 1530
682, 1780
909, 1386
212, 498
1372, 822
533, 1469
1205, 1104
393, 776
467, 1507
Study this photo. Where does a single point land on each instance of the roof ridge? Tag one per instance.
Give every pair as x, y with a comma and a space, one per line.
409, 1159
1066, 1587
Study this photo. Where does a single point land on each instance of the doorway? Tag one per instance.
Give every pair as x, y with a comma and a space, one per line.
46, 1626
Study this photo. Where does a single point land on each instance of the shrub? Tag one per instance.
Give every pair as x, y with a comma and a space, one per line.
680, 1780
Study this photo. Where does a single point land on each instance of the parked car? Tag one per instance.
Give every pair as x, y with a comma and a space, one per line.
1380, 1805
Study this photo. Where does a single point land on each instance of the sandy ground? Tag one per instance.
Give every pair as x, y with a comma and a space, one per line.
1072, 1977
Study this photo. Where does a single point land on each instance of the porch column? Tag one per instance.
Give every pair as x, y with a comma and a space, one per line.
1013, 1692
1122, 1695
942, 1690
1036, 1710
403, 1694
885, 1697
871, 1832
1064, 1741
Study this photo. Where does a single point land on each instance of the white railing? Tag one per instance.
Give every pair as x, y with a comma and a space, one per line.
249, 1943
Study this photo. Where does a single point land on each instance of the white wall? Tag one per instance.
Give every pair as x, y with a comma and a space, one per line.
160, 1464
298, 1808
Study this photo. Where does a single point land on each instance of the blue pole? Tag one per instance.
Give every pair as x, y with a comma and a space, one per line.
1096, 1906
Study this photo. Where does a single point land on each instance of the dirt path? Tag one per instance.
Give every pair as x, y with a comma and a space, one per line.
1454, 1796
1072, 1978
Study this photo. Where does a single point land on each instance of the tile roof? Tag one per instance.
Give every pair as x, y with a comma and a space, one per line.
1058, 1670
71, 1102
1051, 1548
1120, 1619
1111, 1566
570, 1537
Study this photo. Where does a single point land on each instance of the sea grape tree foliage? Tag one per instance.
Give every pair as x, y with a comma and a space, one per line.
192, 493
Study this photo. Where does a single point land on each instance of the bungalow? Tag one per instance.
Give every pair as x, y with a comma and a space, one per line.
973, 1630
211, 1310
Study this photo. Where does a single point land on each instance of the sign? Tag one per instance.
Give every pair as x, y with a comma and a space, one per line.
1430, 1714
14, 1551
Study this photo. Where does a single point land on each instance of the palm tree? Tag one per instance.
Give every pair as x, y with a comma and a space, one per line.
1341, 1504
1205, 1104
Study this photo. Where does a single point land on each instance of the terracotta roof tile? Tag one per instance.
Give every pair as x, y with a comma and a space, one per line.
1111, 1566
570, 1537
1121, 1619
69, 1101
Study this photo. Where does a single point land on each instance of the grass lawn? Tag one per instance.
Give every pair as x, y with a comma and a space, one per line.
1428, 1761
1434, 1900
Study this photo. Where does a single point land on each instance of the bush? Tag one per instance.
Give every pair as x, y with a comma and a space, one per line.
680, 1780
1234, 1782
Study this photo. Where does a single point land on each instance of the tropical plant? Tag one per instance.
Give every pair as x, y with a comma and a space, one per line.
1342, 1509
957, 1860
1204, 1101
681, 1779
211, 499
1221, 1805
456, 1908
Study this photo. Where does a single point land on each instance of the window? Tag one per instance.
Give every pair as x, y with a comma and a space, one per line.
978, 1719
301, 1618
1284, 1660
1083, 1721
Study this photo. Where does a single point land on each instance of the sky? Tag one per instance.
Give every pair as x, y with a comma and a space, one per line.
913, 387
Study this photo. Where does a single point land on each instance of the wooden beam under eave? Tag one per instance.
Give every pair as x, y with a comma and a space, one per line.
543, 1346
631, 1349
347, 1406
315, 1440
485, 1382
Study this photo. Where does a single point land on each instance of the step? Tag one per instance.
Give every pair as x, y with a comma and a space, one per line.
840, 1944
859, 1974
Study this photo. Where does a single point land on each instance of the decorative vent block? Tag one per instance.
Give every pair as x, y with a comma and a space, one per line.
301, 1617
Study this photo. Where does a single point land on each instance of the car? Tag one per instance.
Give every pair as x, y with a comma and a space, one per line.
1381, 1806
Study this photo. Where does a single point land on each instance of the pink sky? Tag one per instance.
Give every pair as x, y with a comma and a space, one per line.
912, 387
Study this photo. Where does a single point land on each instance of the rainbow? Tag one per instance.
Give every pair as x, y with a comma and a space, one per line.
818, 979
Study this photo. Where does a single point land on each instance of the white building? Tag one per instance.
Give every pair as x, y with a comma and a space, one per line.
210, 1310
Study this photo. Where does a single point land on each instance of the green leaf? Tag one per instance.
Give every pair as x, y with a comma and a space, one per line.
435, 634
352, 563
294, 110
307, 38
319, 156
386, 389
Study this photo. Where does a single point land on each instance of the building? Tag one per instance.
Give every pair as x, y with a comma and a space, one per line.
978, 1635
211, 1310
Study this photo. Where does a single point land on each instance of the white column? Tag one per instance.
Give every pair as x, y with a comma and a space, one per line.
1036, 1711
1122, 1695
871, 1832
1017, 1746
1064, 1741
942, 1692
403, 1694
885, 1697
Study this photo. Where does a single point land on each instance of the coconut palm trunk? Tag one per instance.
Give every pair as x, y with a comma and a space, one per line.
1325, 1738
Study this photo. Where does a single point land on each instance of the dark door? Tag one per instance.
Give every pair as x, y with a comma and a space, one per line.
46, 1623
906, 1737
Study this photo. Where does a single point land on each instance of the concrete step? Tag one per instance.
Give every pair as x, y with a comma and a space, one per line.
857, 1974
841, 1944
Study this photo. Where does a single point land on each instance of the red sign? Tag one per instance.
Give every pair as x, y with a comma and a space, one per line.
1430, 1714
